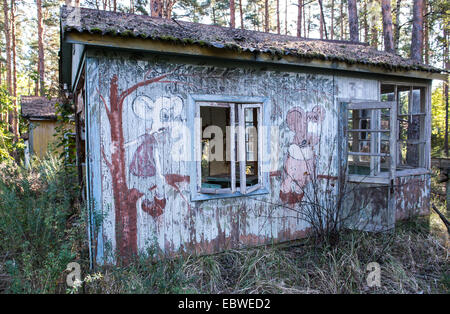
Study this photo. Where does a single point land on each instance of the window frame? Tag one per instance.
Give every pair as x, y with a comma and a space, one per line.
262, 103
394, 140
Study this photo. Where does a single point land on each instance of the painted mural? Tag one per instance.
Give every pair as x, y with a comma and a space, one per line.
140, 111
300, 161
143, 164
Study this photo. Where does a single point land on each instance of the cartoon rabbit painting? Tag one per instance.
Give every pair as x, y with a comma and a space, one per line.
300, 159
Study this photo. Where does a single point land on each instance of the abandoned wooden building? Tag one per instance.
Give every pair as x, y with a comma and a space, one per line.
40, 112
201, 138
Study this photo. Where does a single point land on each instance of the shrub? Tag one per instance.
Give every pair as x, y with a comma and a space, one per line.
39, 224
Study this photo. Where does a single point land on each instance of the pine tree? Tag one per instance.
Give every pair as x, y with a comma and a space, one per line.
6, 29
387, 25
232, 14
353, 20
41, 64
417, 32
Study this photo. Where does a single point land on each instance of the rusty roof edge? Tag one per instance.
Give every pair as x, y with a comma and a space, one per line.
98, 40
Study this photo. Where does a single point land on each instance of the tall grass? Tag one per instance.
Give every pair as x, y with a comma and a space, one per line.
412, 260
42, 231
39, 225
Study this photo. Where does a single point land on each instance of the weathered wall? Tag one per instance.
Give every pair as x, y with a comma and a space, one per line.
412, 196
42, 134
139, 185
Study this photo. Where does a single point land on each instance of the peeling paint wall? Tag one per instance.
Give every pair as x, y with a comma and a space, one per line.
412, 196
137, 113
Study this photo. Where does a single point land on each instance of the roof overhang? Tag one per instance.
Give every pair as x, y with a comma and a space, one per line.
164, 47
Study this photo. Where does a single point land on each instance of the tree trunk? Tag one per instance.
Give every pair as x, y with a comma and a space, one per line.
266, 16
332, 20
15, 113
426, 35
304, 19
397, 25
323, 24
320, 20
353, 20
341, 9
387, 25
169, 8
232, 14
417, 31
446, 83
157, 8
374, 37
41, 64
285, 18
278, 17
366, 23
299, 18
241, 14
309, 22
8, 53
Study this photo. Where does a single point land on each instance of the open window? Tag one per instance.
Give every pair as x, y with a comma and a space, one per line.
411, 120
387, 138
230, 148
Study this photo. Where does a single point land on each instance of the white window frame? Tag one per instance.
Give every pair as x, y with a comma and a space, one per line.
244, 102
387, 177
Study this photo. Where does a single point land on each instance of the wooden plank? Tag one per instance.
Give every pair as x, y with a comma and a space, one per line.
241, 151
233, 147
370, 105
368, 179
368, 154
369, 130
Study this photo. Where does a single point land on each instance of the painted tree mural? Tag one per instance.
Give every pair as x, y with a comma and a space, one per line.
125, 198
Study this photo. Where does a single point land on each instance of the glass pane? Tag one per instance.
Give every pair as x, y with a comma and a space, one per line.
418, 100
251, 146
410, 127
409, 155
387, 92
384, 160
403, 99
385, 119
215, 169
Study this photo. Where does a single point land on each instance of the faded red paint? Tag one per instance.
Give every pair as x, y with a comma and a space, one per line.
154, 208
143, 162
300, 160
411, 197
124, 198
326, 177
174, 180
291, 197
275, 173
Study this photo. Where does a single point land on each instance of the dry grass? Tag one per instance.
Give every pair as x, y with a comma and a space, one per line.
413, 259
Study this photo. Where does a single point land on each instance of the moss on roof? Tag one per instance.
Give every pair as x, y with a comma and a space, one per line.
187, 33
38, 107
